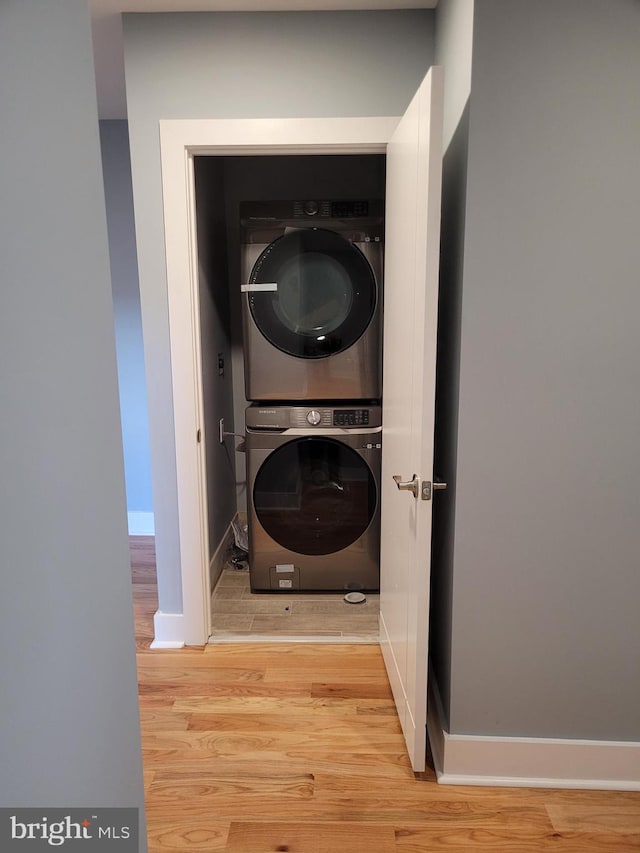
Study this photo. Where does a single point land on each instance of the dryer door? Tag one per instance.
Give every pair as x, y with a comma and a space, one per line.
312, 293
315, 495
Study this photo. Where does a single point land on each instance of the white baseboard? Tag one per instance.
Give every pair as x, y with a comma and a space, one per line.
168, 630
529, 762
141, 524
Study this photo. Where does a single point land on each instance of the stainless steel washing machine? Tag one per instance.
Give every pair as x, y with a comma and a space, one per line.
313, 478
312, 299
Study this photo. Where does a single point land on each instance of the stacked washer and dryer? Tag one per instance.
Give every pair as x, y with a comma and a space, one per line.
312, 329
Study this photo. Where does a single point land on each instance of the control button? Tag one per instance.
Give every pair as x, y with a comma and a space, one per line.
311, 208
314, 417
351, 417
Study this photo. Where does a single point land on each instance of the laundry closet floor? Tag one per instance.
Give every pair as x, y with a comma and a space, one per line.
238, 615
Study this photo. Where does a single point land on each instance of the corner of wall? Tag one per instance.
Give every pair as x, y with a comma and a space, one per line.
168, 630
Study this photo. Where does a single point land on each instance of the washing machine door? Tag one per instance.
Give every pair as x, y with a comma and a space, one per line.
315, 495
312, 293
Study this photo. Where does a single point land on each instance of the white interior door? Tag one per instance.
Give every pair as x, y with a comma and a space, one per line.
412, 244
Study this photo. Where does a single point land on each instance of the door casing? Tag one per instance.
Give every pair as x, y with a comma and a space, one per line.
181, 141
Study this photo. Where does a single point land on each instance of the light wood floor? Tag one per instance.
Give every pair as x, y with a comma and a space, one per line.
296, 747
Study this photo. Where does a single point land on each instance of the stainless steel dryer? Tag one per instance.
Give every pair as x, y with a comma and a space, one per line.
312, 299
313, 478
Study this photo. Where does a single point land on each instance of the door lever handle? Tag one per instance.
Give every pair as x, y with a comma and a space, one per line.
412, 485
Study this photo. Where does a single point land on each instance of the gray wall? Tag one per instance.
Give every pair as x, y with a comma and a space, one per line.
114, 143
70, 732
546, 635
453, 49
234, 65
215, 337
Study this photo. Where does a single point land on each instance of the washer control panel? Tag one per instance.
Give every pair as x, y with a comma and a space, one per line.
281, 417
298, 416
351, 417
331, 209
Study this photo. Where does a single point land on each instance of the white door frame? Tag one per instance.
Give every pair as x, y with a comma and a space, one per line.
180, 141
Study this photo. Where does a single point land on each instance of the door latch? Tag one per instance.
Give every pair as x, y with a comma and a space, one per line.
428, 488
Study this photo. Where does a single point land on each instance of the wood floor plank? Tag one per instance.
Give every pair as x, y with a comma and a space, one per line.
359, 690
437, 814
239, 778
389, 764
267, 837
246, 697
319, 675
191, 657
230, 796
230, 802
624, 820
197, 675
203, 834
237, 743
155, 700
230, 699
392, 770
267, 723
464, 839
356, 656
216, 694
163, 718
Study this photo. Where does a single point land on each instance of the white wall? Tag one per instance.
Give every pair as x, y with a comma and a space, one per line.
220, 65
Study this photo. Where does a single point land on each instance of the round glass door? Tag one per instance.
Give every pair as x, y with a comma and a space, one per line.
315, 496
319, 293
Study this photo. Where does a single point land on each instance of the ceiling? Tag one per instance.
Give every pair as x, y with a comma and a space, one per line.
107, 31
